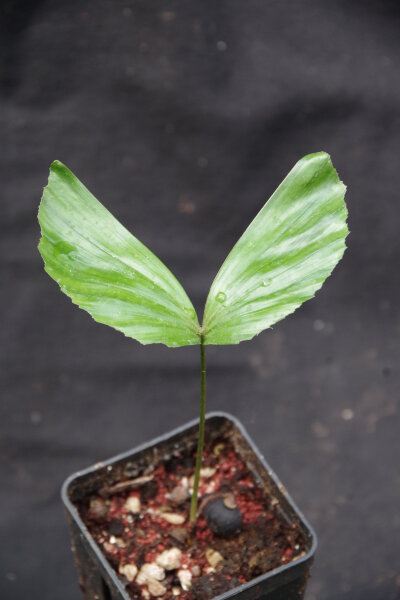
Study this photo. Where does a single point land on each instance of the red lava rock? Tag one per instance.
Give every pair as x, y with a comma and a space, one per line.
287, 555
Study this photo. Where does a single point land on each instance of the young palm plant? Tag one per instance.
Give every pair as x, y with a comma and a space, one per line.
281, 260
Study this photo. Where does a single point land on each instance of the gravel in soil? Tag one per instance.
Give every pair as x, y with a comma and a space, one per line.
142, 527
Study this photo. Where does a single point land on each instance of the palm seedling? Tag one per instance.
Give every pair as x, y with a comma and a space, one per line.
281, 260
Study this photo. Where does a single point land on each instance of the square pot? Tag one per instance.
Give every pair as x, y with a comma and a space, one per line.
97, 578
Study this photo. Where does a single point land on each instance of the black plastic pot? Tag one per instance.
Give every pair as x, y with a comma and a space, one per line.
97, 578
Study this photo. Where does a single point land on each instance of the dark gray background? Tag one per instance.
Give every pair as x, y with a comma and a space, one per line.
182, 117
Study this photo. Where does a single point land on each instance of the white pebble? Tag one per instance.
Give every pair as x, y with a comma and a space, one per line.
110, 548
207, 472
185, 578
156, 588
210, 487
185, 482
150, 571
170, 559
129, 571
210, 570
133, 504
213, 557
173, 518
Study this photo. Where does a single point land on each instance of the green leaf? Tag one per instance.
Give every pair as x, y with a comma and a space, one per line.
283, 257
106, 270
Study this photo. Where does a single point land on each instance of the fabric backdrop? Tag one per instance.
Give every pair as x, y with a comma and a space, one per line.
183, 117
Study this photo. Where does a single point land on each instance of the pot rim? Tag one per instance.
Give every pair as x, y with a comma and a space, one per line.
154, 442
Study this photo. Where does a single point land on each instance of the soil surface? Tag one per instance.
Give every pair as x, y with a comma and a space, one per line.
142, 526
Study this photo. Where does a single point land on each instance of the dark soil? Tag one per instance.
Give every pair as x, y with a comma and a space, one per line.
209, 564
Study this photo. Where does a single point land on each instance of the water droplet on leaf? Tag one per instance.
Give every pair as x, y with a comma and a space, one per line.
221, 297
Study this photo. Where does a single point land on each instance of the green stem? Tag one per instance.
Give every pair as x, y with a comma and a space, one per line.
200, 443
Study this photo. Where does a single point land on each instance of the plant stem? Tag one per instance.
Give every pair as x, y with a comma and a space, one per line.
200, 443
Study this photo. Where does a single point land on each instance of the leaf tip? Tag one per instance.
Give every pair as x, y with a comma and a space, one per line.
61, 171
56, 165
322, 157
57, 168
325, 159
